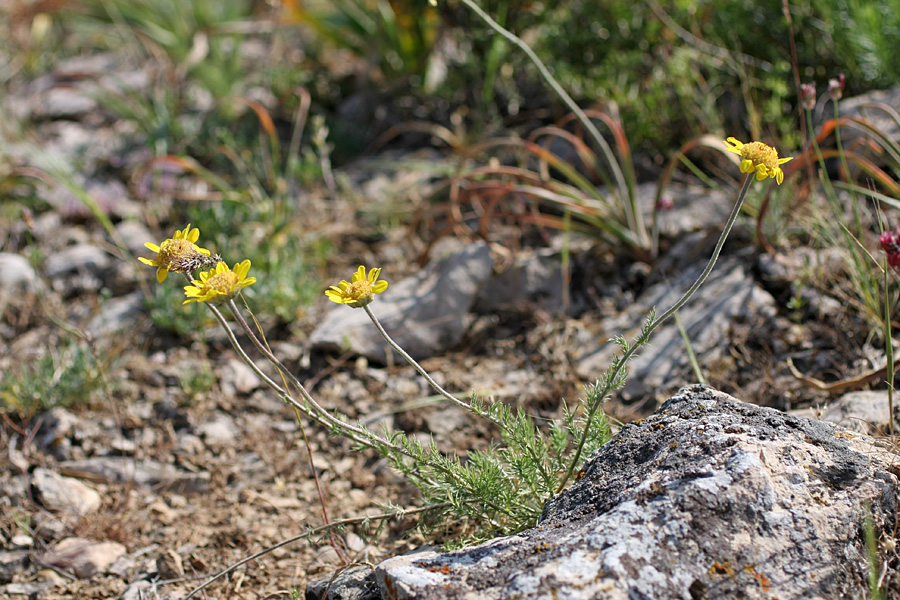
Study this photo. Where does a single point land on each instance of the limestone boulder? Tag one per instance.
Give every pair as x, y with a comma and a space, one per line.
708, 498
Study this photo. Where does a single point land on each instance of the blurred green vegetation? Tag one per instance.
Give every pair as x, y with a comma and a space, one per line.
232, 88
68, 374
676, 69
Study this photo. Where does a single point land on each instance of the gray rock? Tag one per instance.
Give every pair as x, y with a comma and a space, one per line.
117, 315
864, 412
16, 274
445, 420
144, 473
169, 565
50, 527
729, 295
78, 259
25, 590
64, 494
218, 428
83, 557
62, 102
708, 498
425, 314
354, 583
139, 590
60, 429
20, 540
535, 278
865, 105
236, 377
136, 234
12, 562
692, 209
58, 423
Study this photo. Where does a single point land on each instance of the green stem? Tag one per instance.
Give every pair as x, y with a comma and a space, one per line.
692, 358
357, 434
652, 326
413, 362
366, 437
499, 423
888, 348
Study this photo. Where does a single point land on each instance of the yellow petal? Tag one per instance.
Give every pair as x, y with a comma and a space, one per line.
147, 261
161, 274
152, 246
380, 287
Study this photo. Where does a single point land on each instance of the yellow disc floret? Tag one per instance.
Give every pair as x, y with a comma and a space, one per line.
360, 290
179, 253
219, 284
758, 158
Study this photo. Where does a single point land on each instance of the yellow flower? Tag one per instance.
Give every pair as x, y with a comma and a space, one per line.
219, 284
179, 254
758, 157
360, 291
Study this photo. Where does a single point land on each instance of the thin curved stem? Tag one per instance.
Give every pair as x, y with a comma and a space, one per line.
244, 356
358, 434
366, 437
499, 423
310, 533
652, 326
413, 362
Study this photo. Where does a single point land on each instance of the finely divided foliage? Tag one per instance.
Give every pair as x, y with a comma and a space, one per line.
494, 491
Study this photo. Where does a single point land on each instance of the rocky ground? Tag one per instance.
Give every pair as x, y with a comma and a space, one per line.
180, 463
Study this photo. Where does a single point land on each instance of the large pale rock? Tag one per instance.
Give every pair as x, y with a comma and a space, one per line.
729, 295
16, 274
64, 494
143, 473
708, 498
425, 314
85, 558
864, 411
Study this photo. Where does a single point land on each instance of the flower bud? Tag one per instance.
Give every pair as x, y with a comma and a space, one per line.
807, 96
836, 87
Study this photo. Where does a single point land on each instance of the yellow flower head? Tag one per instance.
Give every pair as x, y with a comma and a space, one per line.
219, 284
360, 291
179, 254
759, 158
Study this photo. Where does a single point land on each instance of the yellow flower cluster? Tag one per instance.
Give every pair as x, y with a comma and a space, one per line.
360, 290
219, 284
759, 158
181, 254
